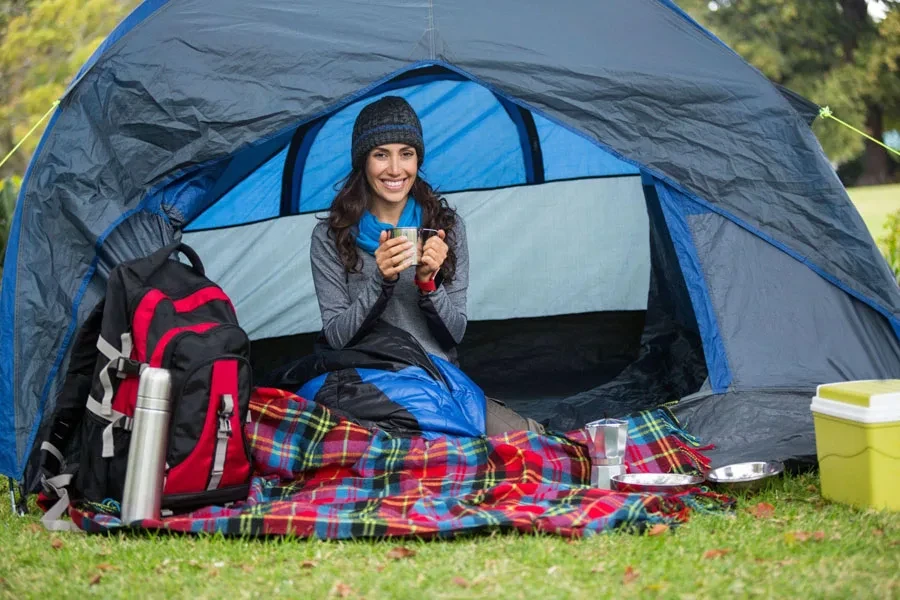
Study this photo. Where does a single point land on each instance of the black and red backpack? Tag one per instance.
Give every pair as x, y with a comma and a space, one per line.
157, 312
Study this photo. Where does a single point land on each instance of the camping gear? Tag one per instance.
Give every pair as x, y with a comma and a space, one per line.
655, 483
317, 475
387, 380
157, 312
858, 442
745, 477
607, 440
727, 267
146, 471
418, 237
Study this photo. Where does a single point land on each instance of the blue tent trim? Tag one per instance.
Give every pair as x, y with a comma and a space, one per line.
292, 191
7, 307
675, 207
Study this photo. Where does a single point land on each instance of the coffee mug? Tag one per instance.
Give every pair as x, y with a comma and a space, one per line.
417, 235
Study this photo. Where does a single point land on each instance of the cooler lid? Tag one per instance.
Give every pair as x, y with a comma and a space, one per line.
874, 393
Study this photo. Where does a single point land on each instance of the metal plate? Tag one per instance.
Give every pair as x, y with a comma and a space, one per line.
660, 483
745, 476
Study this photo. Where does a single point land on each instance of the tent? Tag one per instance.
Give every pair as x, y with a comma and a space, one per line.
649, 218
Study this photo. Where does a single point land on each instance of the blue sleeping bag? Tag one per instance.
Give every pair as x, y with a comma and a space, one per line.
387, 380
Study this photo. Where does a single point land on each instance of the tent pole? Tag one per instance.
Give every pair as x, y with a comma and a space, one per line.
18, 508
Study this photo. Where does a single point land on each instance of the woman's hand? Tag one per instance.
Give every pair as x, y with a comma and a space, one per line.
434, 253
393, 256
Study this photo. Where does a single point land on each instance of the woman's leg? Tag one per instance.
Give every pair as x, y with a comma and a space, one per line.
500, 419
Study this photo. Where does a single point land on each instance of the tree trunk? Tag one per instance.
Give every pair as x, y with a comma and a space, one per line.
876, 164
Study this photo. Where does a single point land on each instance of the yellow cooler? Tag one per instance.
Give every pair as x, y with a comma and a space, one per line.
858, 442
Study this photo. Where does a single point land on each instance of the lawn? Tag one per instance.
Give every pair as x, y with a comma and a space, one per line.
874, 204
785, 542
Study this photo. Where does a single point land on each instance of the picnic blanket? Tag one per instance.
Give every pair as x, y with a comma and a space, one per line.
318, 475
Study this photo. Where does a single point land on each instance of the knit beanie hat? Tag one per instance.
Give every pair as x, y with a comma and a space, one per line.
390, 120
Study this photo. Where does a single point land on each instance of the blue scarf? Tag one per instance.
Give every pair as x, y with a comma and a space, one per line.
370, 228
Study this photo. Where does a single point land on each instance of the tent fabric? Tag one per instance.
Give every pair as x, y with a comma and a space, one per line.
607, 214
750, 281
170, 116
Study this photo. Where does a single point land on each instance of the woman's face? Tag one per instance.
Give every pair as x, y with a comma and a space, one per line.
391, 170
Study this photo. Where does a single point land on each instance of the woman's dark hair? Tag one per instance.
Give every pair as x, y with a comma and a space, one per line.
353, 200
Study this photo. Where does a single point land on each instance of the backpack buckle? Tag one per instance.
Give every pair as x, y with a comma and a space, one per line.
225, 412
127, 367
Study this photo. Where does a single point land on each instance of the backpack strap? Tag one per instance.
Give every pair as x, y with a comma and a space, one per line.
226, 410
52, 519
145, 267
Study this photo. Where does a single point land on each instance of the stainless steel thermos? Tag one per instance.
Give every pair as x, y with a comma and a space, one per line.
144, 478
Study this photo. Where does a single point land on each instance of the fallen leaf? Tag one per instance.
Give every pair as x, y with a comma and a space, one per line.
835, 536
716, 553
552, 570
35, 528
812, 488
460, 582
786, 562
400, 552
107, 567
598, 569
380, 568
658, 529
792, 537
341, 589
763, 510
878, 532
213, 572
95, 579
57, 543
308, 564
819, 536
247, 568
630, 575
194, 563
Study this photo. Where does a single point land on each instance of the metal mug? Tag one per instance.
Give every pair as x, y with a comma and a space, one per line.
416, 235
607, 439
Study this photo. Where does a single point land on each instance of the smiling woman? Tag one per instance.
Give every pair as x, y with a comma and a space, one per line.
362, 275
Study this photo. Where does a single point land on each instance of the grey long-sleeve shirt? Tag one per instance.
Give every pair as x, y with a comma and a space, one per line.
350, 303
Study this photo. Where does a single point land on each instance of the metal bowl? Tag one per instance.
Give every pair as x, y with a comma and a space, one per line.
748, 476
657, 483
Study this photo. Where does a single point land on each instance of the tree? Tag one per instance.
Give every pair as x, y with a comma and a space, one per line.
43, 43
831, 51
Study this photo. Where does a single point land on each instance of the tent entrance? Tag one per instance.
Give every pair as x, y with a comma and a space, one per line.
577, 306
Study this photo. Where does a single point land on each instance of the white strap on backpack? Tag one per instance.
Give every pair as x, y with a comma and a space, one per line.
52, 519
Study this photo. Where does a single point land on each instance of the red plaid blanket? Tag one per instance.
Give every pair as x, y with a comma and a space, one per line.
321, 476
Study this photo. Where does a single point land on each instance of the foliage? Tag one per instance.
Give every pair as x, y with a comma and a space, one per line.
42, 46
890, 243
832, 52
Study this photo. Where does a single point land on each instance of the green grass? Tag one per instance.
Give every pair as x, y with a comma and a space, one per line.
857, 556
874, 203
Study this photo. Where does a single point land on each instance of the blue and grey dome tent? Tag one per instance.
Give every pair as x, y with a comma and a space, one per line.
649, 218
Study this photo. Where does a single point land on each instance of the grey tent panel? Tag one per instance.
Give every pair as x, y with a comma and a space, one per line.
732, 422
784, 326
